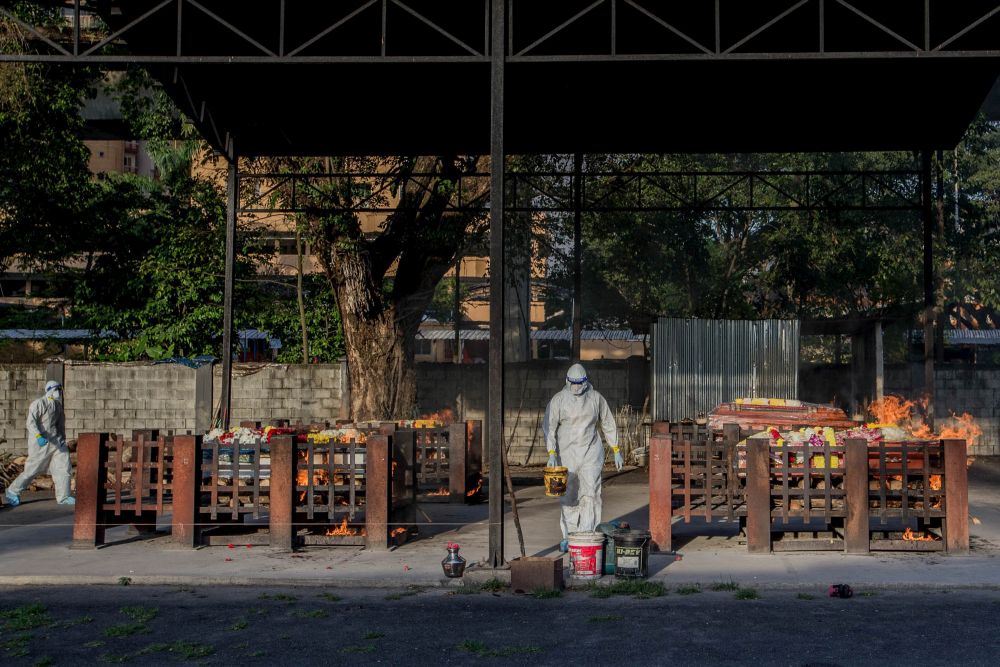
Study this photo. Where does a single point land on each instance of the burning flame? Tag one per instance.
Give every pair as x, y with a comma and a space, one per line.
910, 536
342, 529
443, 417
922, 431
397, 531
443, 491
891, 409
963, 428
479, 486
935, 482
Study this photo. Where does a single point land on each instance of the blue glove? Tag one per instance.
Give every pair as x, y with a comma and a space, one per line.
553, 461
42, 441
619, 460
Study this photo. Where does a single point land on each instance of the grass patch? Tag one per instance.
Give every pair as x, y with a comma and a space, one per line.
330, 597
367, 648
44, 661
114, 658
279, 597
140, 614
747, 594
239, 625
73, 622
394, 596
27, 617
493, 585
640, 590
257, 654
805, 596
97, 643
482, 650
124, 581
606, 618
312, 613
546, 593
126, 630
688, 590
725, 586
190, 650
869, 594
374, 635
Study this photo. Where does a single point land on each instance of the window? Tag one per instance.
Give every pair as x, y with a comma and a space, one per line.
424, 347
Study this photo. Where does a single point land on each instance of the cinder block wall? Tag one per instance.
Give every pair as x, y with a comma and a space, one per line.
20, 384
300, 393
119, 398
957, 390
528, 388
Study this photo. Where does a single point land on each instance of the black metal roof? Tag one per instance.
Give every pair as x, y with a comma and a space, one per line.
412, 76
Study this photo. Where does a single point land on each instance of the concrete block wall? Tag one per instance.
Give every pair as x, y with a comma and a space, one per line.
528, 388
296, 392
119, 398
20, 384
975, 390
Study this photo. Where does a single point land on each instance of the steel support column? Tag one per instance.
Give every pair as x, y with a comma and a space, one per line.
232, 204
495, 558
577, 253
928, 220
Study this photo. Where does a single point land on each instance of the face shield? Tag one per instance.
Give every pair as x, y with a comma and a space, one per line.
576, 380
53, 391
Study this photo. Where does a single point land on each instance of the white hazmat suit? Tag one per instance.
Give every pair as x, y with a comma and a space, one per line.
570, 428
47, 449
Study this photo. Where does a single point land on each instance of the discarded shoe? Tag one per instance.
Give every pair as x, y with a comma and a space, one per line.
564, 546
12, 498
68, 500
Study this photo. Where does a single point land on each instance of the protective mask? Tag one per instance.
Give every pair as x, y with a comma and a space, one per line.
578, 389
55, 395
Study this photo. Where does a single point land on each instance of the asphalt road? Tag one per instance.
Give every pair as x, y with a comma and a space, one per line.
308, 626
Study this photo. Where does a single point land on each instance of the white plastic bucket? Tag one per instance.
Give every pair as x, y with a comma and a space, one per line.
586, 555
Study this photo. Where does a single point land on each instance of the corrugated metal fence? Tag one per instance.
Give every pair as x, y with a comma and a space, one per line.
698, 364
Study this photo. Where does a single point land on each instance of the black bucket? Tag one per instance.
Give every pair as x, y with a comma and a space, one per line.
632, 553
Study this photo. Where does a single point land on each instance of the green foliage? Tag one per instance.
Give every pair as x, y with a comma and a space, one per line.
27, 617
546, 593
483, 651
725, 586
278, 314
688, 590
747, 594
637, 588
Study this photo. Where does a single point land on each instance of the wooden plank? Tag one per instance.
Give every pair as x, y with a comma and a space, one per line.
856, 539
758, 496
378, 461
283, 464
91, 473
660, 492
458, 479
956, 497
185, 488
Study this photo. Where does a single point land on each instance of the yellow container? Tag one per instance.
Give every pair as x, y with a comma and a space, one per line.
556, 479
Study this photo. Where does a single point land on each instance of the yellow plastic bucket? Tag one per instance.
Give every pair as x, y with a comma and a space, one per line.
556, 478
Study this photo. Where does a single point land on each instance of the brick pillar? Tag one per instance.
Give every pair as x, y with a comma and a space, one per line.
91, 471
282, 491
856, 536
186, 489
378, 461
758, 496
956, 497
660, 484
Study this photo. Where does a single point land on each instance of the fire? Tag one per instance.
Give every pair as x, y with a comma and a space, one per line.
443, 417
302, 478
397, 531
935, 482
891, 410
443, 491
910, 536
350, 434
342, 529
922, 431
963, 428
479, 485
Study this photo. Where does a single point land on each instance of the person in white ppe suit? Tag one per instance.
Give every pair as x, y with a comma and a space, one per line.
570, 429
47, 449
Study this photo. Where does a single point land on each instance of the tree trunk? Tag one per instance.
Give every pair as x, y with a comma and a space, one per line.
383, 378
301, 297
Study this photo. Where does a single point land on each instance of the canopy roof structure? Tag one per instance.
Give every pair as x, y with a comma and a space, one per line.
411, 77
293, 77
